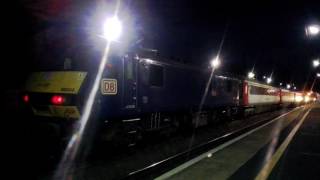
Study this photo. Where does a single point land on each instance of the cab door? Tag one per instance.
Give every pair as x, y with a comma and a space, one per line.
130, 82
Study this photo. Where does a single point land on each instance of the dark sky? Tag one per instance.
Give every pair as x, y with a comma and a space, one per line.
268, 35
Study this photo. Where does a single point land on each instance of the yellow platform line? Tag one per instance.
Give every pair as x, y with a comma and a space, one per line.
267, 168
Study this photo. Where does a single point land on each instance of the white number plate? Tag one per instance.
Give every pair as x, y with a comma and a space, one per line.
109, 86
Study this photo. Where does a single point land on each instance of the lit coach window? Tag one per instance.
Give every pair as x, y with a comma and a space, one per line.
57, 100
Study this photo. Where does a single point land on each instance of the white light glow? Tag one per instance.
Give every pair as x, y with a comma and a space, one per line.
313, 30
112, 29
316, 63
269, 80
251, 75
318, 74
215, 63
288, 86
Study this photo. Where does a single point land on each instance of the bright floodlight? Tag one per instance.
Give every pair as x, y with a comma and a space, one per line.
288, 86
269, 80
112, 29
215, 62
316, 63
251, 75
318, 74
313, 30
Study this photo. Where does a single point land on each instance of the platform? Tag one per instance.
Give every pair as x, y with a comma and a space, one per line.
287, 147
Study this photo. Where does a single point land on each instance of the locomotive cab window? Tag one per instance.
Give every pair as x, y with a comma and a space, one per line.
156, 76
129, 69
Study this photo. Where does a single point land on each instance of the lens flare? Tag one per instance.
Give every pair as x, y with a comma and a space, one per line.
65, 167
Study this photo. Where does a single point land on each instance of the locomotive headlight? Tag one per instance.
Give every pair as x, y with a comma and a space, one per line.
112, 29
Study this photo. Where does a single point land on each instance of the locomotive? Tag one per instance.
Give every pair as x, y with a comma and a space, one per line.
141, 93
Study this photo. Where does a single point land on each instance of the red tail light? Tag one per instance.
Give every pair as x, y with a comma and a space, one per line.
26, 98
57, 100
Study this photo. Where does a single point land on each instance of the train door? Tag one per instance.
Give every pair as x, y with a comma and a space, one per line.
130, 81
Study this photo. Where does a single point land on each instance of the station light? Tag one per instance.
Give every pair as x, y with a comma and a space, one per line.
295, 88
306, 99
251, 75
215, 63
316, 63
269, 80
264, 77
112, 29
318, 74
313, 30
288, 86
280, 84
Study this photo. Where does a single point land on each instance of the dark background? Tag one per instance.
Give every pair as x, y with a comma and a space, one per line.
266, 35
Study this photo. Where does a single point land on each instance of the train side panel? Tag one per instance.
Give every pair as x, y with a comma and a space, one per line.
287, 98
262, 97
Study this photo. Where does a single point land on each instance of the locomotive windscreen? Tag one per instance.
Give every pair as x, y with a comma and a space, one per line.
61, 48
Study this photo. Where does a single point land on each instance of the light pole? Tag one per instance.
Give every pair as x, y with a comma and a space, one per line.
314, 81
313, 30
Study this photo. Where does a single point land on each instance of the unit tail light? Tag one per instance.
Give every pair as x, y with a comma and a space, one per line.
26, 98
57, 100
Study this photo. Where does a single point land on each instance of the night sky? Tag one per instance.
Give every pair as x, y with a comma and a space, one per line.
267, 35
